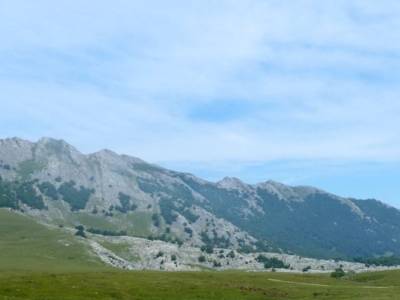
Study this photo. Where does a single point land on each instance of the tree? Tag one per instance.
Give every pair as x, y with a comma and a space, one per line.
202, 259
207, 248
338, 273
270, 263
80, 231
231, 254
216, 264
306, 269
156, 220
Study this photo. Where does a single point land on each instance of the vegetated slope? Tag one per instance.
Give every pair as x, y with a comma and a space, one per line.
119, 194
29, 246
197, 285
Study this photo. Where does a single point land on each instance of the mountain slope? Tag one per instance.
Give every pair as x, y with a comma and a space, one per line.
117, 194
27, 245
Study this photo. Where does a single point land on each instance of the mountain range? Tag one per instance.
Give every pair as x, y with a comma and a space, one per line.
119, 195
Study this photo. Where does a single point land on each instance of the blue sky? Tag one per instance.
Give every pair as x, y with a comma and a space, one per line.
302, 91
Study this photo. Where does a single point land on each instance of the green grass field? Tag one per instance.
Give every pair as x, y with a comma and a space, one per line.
195, 285
37, 262
26, 245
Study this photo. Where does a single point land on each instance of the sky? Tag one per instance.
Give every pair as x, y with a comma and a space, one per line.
305, 92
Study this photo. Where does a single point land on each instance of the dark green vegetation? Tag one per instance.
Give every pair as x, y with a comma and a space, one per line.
106, 232
316, 224
12, 194
76, 197
319, 225
380, 261
272, 263
126, 204
338, 273
49, 190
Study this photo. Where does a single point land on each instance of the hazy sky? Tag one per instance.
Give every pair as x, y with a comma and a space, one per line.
304, 92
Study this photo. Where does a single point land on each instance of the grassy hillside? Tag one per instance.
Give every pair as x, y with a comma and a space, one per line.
27, 245
201, 285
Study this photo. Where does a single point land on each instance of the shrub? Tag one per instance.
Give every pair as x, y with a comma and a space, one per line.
202, 259
306, 269
80, 231
231, 254
216, 264
207, 248
156, 220
189, 231
271, 263
107, 232
338, 273
126, 205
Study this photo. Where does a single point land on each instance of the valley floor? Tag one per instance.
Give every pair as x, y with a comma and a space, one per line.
196, 285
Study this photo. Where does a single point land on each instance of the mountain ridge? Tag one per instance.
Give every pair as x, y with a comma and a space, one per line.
110, 191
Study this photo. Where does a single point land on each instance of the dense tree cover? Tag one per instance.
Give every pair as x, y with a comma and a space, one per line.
207, 248
167, 208
76, 197
126, 205
215, 241
49, 190
317, 226
14, 193
271, 263
27, 194
379, 261
189, 215
173, 199
8, 197
107, 232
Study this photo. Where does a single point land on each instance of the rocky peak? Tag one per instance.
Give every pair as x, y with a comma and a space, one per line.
55, 146
231, 183
14, 150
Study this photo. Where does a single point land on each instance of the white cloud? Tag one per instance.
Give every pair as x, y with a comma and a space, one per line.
319, 78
